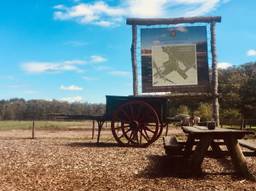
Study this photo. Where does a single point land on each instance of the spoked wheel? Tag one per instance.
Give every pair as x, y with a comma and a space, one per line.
135, 123
160, 130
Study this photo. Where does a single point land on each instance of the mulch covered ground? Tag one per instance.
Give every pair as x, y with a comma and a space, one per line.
67, 161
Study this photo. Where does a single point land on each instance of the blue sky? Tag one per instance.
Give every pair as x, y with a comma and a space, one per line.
79, 50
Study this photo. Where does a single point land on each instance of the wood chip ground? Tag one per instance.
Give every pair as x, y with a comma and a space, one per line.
70, 160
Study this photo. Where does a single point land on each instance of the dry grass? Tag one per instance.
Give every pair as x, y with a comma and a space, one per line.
9, 125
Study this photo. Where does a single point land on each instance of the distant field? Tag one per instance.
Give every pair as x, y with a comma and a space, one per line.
7, 125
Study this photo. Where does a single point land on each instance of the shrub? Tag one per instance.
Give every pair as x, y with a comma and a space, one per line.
183, 109
204, 111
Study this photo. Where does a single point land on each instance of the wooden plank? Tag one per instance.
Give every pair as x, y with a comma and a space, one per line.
218, 133
248, 144
168, 21
204, 129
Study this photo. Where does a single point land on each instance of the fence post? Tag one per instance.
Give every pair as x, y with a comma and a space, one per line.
33, 128
93, 128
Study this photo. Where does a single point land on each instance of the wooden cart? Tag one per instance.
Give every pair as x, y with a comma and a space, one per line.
136, 120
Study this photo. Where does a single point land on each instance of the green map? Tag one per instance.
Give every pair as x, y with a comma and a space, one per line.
174, 65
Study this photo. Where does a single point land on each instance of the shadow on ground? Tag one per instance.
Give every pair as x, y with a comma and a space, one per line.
101, 144
164, 166
80, 144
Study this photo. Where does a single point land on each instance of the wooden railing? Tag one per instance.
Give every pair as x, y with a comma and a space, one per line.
242, 123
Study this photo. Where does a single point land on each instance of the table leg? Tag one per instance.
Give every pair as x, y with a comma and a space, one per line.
238, 158
199, 154
189, 146
217, 152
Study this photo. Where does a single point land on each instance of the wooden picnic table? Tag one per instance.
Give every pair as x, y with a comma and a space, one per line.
205, 138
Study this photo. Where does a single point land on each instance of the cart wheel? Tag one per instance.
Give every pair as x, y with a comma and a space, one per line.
160, 130
135, 123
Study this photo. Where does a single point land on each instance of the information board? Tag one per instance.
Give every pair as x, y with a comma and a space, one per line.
174, 59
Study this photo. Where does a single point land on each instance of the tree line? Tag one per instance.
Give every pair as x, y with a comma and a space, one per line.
237, 89
20, 109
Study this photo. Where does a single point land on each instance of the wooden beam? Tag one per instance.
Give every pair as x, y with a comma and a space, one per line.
134, 60
215, 105
167, 21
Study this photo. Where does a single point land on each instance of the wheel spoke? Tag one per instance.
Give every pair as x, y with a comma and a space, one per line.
121, 136
148, 129
145, 137
127, 131
126, 115
136, 136
148, 138
139, 112
140, 136
131, 109
131, 137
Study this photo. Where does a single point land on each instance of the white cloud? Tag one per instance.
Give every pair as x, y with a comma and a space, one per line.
251, 52
71, 88
147, 8
97, 59
72, 99
41, 67
98, 13
119, 73
67, 65
224, 65
203, 6
75, 43
89, 78
104, 15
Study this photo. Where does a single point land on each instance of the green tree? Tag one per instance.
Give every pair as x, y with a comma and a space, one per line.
248, 96
204, 111
183, 109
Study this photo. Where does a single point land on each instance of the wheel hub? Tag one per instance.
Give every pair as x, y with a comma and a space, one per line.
134, 125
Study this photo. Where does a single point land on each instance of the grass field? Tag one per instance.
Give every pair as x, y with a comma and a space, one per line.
8, 125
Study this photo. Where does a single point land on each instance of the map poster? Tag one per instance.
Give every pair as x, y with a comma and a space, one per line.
174, 65
174, 59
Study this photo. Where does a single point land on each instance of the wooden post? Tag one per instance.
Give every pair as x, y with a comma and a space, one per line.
93, 128
134, 60
33, 129
215, 105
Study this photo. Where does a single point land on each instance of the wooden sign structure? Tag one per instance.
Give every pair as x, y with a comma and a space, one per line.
134, 22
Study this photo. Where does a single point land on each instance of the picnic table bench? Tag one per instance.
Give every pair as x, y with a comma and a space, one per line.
248, 144
200, 138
